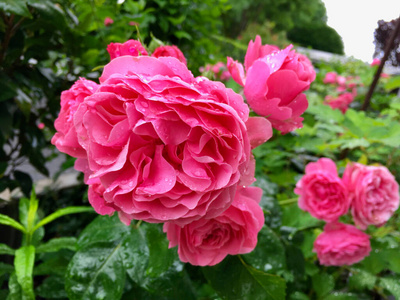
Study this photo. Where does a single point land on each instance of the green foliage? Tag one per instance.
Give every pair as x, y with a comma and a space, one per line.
320, 37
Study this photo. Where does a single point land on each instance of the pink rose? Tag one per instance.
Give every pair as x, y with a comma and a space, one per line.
330, 77
274, 83
172, 51
108, 21
376, 62
207, 242
322, 192
341, 80
341, 244
165, 146
374, 193
131, 48
65, 138
341, 102
41, 126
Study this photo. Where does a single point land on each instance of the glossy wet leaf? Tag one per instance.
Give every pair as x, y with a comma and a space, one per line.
96, 272
23, 262
15, 290
360, 279
392, 285
17, 7
52, 288
269, 254
323, 284
234, 280
56, 244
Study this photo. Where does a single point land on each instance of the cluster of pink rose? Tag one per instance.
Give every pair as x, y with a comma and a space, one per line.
371, 193
157, 144
219, 70
345, 89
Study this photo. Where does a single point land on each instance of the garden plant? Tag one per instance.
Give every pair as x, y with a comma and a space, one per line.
203, 174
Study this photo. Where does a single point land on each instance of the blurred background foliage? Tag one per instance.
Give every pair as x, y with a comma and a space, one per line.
46, 45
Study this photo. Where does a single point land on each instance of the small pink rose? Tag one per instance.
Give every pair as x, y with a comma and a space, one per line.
374, 194
341, 244
41, 125
341, 80
131, 48
206, 242
341, 102
172, 51
274, 81
322, 192
376, 62
65, 139
108, 21
330, 77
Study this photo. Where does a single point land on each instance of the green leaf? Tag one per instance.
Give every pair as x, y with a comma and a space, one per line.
269, 254
23, 262
15, 289
62, 212
96, 272
392, 285
52, 288
17, 7
4, 249
342, 296
6, 268
323, 284
361, 279
101, 229
6, 220
182, 35
56, 244
392, 83
23, 207
24, 102
235, 280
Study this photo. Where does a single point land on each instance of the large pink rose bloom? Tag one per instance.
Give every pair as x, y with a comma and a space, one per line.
165, 146
207, 242
274, 81
374, 194
130, 47
322, 193
65, 138
173, 51
341, 244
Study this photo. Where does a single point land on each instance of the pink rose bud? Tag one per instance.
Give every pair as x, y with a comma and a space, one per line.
108, 21
274, 83
322, 192
330, 77
207, 242
374, 194
166, 146
40, 125
133, 23
173, 51
341, 244
131, 48
65, 139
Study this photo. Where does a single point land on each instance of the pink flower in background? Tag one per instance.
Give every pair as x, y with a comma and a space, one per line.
172, 51
65, 139
341, 244
322, 192
108, 21
341, 80
130, 47
207, 242
133, 23
165, 146
384, 75
374, 194
330, 77
41, 125
376, 62
274, 83
341, 102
